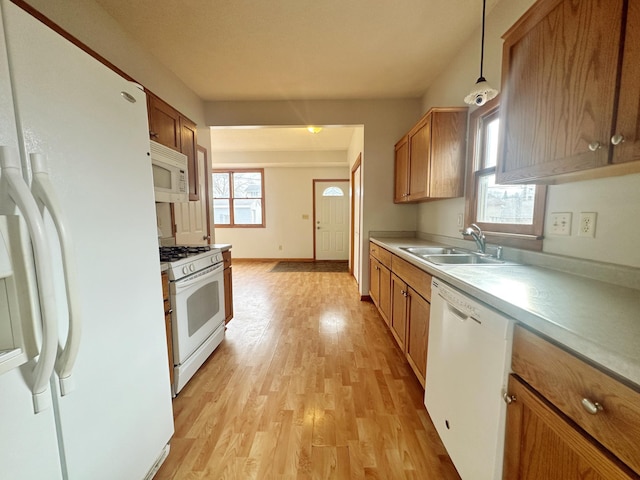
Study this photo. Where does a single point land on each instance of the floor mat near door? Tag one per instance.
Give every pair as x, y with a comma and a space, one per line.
311, 267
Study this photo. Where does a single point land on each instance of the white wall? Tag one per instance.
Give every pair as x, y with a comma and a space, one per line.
616, 200
288, 199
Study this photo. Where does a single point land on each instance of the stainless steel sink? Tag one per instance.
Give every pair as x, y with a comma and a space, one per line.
424, 251
462, 259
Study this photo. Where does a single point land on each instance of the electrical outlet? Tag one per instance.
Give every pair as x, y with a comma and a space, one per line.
560, 223
587, 226
279, 247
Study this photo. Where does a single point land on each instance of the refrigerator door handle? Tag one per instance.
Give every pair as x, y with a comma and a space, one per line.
21, 196
44, 193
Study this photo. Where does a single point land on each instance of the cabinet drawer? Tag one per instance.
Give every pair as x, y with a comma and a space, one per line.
419, 280
384, 256
565, 381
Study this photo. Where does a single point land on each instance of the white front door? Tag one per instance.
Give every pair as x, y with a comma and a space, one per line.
331, 216
191, 217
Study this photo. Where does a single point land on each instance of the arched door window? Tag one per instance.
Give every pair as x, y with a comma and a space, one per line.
332, 192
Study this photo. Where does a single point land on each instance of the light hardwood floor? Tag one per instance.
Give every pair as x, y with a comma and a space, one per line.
308, 384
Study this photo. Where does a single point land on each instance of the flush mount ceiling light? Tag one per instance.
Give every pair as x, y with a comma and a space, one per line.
481, 92
314, 129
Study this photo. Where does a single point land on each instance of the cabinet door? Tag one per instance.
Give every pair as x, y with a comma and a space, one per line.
448, 149
418, 311
628, 119
541, 444
374, 280
401, 171
398, 310
188, 141
228, 295
419, 157
164, 123
384, 293
560, 69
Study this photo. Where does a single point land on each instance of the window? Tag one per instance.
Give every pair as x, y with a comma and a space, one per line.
332, 192
238, 198
510, 215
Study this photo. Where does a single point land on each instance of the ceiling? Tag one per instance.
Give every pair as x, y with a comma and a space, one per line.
301, 49
271, 139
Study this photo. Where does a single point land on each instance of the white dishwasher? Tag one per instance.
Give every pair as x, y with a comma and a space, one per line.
468, 363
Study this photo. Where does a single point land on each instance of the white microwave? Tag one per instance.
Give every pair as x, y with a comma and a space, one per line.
170, 174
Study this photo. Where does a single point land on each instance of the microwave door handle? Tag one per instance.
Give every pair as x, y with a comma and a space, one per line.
21, 196
44, 192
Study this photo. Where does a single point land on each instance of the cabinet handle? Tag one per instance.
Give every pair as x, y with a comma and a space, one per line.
153, 134
591, 407
617, 139
404, 293
508, 399
594, 146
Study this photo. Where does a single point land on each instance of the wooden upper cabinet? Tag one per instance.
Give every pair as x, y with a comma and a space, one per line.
401, 171
419, 159
172, 129
188, 147
431, 163
164, 123
562, 63
628, 120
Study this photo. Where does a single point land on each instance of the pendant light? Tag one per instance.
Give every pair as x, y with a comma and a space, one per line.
481, 92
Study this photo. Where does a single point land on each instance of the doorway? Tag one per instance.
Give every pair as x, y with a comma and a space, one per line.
331, 219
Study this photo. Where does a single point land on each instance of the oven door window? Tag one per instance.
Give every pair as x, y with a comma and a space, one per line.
202, 306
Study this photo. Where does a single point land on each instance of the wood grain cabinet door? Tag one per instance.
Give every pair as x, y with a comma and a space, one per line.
401, 171
398, 310
626, 134
559, 82
418, 311
188, 139
164, 123
419, 159
541, 443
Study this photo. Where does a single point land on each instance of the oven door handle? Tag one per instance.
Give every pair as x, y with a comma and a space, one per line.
44, 193
186, 282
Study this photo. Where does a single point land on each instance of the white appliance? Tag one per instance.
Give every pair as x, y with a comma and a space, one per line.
169, 174
84, 385
468, 362
196, 288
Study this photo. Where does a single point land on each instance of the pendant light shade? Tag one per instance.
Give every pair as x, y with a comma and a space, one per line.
481, 92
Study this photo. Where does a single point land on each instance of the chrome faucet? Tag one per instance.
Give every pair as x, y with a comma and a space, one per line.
475, 231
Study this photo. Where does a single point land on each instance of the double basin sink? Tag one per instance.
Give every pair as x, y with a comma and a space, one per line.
452, 256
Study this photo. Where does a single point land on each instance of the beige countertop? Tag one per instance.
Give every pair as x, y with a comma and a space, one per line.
600, 321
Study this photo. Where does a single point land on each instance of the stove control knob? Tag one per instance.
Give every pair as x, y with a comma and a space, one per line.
213, 259
192, 267
185, 270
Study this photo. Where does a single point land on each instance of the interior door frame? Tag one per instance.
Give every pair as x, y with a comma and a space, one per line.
207, 188
354, 168
313, 193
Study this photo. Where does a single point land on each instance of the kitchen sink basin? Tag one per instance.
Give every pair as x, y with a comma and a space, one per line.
462, 259
424, 251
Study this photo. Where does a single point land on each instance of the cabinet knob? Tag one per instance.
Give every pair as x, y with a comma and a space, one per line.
591, 407
617, 139
153, 134
508, 399
594, 146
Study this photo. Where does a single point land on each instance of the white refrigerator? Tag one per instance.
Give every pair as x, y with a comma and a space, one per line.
84, 381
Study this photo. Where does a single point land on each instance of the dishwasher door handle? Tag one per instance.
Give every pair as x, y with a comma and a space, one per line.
457, 313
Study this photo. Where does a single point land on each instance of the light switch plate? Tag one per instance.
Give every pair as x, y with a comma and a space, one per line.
560, 223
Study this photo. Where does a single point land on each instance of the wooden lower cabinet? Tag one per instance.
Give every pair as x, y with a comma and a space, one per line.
410, 323
228, 286
541, 443
417, 333
398, 322
380, 289
167, 322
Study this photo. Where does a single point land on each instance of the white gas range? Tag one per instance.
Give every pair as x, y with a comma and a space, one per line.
197, 301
